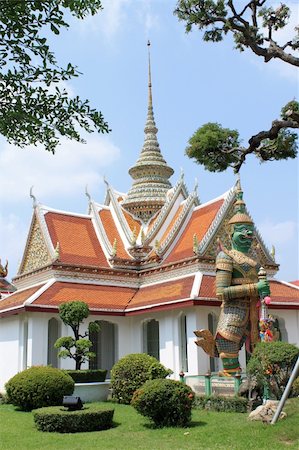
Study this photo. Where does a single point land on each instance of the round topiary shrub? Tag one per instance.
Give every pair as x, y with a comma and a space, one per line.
131, 371
39, 386
165, 402
56, 418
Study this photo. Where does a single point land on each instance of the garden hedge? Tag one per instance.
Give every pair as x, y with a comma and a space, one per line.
87, 376
58, 419
221, 404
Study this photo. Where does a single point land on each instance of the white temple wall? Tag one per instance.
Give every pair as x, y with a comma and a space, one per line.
9, 349
37, 339
288, 324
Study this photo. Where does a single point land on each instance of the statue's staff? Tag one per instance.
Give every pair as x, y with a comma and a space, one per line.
265, 301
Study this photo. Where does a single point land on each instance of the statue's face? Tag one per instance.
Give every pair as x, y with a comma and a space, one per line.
242, 237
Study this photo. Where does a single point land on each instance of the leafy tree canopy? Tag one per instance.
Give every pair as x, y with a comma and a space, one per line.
253, 25
34, 109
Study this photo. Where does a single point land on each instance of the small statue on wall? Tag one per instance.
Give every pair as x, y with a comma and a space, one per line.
239, 289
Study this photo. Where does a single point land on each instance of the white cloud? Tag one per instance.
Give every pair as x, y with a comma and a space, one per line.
116, 16
64, 174
147, 17
278, 233
13, 232
108, 21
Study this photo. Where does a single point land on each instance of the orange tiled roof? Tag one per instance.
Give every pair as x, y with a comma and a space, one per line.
112, 232
296, 282
78, 243
162, 293
282, 293
132, 222
18, 298
97, 297
207, 288
169, 228
198, 224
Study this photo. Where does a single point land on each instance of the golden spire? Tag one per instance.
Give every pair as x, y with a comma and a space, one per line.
150, 173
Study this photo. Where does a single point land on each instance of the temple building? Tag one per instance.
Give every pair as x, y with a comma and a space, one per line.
144, 262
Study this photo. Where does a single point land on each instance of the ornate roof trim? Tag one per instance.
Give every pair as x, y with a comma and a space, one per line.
100, 231
39, 292
120, 216
180, 187
229, 198
191, 200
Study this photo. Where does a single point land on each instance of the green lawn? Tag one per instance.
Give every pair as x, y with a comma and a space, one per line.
208, 430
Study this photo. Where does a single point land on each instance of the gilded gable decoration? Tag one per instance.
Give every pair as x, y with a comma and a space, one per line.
36, 254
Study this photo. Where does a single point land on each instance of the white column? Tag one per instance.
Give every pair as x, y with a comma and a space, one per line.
198, 360
167, 349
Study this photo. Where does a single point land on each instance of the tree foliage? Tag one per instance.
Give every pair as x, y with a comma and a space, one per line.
253, 25
34, 108
272, 363
77, 347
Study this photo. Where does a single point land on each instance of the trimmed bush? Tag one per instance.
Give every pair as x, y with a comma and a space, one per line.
131, 371
221, 404
166, 402
56, 418
38, 386
87, 376
272, 363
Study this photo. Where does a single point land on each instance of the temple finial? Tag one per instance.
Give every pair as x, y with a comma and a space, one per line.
150, 97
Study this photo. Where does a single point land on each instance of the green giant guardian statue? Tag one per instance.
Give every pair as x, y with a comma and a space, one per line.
239, 289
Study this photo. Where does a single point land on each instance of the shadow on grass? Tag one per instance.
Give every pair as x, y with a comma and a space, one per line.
193, 424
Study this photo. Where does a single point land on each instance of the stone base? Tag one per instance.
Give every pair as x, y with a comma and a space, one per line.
266, 412
92, 392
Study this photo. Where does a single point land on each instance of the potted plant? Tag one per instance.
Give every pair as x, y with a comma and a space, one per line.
90, 385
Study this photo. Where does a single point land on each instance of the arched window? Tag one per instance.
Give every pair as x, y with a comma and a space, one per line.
183, 343
53, 328
104, 346
212, 325
151, 340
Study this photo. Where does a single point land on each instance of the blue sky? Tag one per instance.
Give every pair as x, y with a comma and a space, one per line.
193, 83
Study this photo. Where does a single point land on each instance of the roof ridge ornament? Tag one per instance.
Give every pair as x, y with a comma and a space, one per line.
35, 202
87, 193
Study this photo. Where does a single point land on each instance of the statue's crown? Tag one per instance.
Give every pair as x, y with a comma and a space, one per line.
240, 215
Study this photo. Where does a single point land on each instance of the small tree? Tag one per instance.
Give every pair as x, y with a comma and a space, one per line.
78, 348
272, 363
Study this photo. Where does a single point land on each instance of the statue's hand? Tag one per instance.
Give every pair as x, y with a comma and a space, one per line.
263, 288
